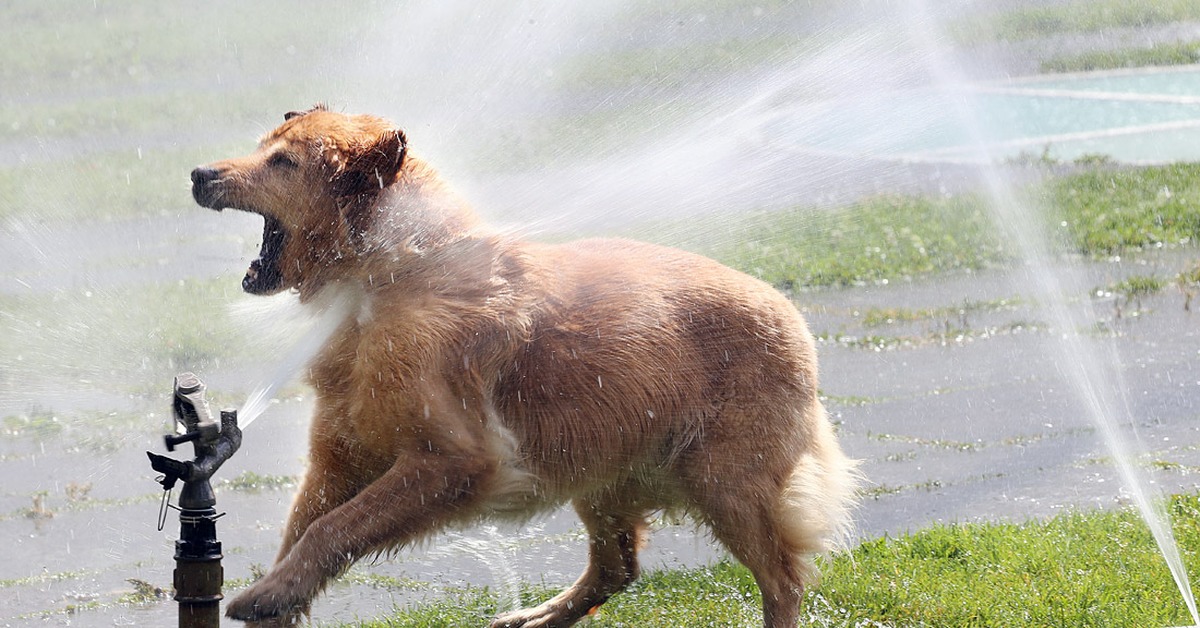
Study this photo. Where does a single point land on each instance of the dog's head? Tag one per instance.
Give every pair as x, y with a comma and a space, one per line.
309, 180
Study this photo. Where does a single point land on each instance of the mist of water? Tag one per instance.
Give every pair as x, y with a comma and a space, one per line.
731, 148
328, 317
1090, 367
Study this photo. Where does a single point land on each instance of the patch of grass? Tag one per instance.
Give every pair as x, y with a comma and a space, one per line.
848, 400
250, 481
1174, 53
870, 342
1175, 467
45, 578
143, 593
105, 186
945, 336
1073, 17
133, 332
1077, 569
879, 317
38, 423
380, 581
1135, 288
1109, 211
876, 240
57, 47
935, 443
723, 594
1188, 282
1099, 211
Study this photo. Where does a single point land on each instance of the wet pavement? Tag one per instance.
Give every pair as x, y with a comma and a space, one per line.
960, 415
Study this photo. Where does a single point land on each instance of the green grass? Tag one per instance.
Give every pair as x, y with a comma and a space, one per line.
58, 47
1109, 211
1094, 569
1103, 211
879, 317
1178, 53
105, 186
1097, 211
1077, 570
1135, 288
873, 241
252, 482
1080, 16
132, 333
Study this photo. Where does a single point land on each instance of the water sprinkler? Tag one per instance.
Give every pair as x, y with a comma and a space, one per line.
198, 572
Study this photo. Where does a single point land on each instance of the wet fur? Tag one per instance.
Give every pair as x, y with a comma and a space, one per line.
484, 376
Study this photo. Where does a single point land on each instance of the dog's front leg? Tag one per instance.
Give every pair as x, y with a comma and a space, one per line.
327, 484
330, 481
416, 496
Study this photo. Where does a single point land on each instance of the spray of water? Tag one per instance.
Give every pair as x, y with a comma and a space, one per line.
328, 316
1090, 367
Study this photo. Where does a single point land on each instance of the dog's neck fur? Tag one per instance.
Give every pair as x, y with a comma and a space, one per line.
403, 233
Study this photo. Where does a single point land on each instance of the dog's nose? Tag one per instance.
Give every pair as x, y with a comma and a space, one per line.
203, 175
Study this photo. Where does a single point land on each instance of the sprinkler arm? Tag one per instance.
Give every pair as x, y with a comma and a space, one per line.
197, 491
213, 442
208, 459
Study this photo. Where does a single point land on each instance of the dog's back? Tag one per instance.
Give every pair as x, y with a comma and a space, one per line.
640, 349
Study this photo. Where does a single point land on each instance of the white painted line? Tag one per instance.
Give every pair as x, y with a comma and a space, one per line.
1094, 74
1070, 137
1088, 95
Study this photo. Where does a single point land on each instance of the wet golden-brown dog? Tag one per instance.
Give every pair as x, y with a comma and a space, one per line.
487, 376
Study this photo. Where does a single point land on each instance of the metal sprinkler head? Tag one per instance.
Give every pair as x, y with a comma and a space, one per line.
198, 572
214, 443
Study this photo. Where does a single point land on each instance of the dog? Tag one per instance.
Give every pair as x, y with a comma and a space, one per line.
483, 375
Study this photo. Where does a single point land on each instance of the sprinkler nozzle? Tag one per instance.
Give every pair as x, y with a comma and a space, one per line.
191, 411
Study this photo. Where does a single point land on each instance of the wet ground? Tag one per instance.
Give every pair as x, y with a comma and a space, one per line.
959, 415
958, 407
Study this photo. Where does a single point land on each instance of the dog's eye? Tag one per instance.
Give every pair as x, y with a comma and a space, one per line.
280, 160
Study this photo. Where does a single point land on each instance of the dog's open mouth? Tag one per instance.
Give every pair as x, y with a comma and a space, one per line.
263, 276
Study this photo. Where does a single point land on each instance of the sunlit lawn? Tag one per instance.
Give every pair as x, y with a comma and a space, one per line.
1076, 570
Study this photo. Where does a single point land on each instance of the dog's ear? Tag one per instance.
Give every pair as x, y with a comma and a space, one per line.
296, 114
373, 166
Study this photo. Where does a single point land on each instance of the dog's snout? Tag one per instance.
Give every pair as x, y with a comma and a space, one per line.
205, 187
203, 175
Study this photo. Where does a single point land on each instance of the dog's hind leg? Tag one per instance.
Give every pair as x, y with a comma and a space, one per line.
749, 532
616, 530
743, 500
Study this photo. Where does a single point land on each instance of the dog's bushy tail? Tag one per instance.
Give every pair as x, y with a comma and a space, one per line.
817, 502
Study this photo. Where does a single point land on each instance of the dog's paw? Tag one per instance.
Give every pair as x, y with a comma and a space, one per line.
292, 619
272, 601
548, 615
